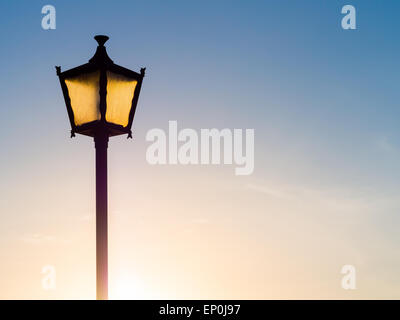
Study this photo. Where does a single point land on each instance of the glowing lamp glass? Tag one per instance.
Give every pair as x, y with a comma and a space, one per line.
85, 98
120, 91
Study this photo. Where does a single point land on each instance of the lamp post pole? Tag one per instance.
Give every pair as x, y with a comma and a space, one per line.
101, 145
89, 91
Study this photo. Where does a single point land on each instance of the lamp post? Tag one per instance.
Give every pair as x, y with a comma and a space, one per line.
101, 99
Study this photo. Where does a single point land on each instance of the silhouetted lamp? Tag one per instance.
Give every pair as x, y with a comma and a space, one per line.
101, 99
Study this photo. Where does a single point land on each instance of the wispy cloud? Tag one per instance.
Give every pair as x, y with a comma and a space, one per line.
336, 199
85, 217
273, 192
384, 144
200, 221
37, 238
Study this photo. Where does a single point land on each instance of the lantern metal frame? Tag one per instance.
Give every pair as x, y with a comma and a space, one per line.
101, 62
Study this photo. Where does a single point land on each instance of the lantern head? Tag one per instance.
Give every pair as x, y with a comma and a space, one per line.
101, 96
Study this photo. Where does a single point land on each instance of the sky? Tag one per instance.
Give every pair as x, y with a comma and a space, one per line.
323, 103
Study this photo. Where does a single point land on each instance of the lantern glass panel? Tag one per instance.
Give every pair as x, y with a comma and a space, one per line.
120, 91
84, 94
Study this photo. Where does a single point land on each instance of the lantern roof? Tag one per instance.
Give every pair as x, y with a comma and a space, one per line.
101, 56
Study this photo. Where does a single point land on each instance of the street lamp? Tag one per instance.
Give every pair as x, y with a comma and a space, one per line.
101, 99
